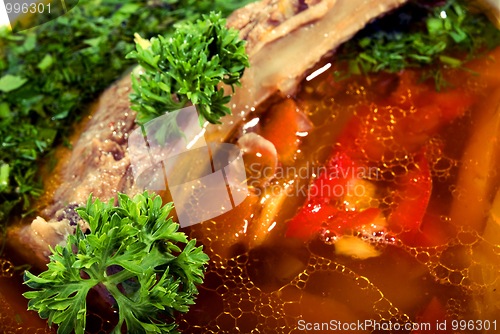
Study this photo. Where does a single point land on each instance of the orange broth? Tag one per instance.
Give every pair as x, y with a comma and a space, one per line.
437, 268
265, 279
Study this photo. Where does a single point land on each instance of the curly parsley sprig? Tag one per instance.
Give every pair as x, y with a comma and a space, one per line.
158, 277
190, 64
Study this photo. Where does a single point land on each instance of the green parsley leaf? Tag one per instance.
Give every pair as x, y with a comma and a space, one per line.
4, 176
141, 239
190, 64
45, 62
4, 110
9, 82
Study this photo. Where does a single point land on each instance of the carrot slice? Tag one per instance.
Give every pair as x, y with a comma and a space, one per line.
281, 126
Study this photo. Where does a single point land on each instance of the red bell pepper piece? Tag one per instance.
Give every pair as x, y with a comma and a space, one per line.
321, 212
316, 218
412, 198
433, 232
411, 115
331, 183
309, 221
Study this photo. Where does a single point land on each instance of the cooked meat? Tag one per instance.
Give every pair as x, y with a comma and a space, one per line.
99, 164
41, 234
279, 64
100, 160
286, 38
262, 22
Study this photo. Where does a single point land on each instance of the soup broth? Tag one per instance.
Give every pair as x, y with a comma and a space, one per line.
434, 255
261, 280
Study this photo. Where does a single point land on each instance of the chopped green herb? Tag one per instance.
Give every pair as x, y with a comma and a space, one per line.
9, 83
155, 277
190, 64
45, 62
424, 37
